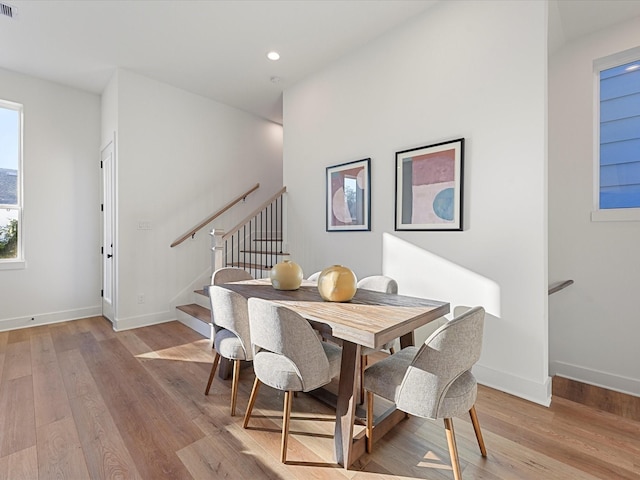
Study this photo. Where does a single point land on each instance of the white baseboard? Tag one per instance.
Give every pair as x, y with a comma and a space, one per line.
520, 387
610, 381
49, 318
146, 320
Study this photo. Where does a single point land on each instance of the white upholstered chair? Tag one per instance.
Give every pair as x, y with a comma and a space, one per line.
377, 283
434, 380
287, 356
229, 274
232, 338
314, 276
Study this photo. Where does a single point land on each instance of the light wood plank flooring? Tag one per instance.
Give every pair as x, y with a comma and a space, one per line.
79, 401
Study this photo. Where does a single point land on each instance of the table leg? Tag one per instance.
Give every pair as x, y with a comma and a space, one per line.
407, 340
346, 406
224, 368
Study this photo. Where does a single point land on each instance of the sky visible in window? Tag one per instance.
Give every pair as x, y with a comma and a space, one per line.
9, 138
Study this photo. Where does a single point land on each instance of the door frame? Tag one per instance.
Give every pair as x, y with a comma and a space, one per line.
109, 264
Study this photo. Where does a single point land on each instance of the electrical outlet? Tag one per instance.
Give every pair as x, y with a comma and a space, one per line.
141, 298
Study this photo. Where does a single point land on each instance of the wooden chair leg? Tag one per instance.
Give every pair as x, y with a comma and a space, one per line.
252, 401
216, 359
476, 428
369, 430
392, 350
234, 386
453, 449
286, 415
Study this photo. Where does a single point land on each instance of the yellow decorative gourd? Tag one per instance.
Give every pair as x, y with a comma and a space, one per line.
337, 284
286, 275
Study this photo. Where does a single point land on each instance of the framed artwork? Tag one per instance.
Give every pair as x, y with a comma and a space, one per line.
349, 196
429, 187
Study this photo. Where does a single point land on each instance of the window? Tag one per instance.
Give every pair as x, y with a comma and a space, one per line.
618, 135
10, 183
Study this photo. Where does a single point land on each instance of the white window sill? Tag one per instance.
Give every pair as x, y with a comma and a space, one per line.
616, 215
13, 265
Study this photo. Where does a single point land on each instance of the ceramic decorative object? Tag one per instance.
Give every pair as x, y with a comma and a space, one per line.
337, 284
286, 275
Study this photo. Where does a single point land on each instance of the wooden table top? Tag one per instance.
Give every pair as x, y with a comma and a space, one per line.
370, 319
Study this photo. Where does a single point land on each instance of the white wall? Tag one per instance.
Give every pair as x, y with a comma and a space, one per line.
61, 280
180, 157
594, 327
464, 69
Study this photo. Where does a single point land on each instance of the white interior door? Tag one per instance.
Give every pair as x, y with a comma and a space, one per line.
108, 231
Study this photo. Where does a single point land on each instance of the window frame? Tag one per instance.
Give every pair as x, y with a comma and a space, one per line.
631, 214
18, 262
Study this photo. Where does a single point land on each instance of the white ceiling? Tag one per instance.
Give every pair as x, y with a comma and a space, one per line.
572, 19
218, 48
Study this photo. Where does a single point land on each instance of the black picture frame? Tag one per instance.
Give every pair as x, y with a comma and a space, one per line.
348, 196
430, 187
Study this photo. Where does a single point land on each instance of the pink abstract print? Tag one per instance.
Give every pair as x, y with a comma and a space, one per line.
348, 196
433, 187
346, 186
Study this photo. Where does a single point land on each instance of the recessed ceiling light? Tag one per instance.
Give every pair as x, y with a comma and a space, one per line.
273, 56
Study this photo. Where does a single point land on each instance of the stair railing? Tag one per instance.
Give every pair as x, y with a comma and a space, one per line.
256, 243
557, 286
192, 232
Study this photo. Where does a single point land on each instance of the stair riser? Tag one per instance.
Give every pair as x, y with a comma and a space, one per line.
201, 300
204, 329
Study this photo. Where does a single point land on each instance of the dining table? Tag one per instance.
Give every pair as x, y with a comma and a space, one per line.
369, 319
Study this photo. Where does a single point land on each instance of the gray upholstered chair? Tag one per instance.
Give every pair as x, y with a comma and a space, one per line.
287, 356
377, 283
229, 274
434, 380
314, 276
232, 338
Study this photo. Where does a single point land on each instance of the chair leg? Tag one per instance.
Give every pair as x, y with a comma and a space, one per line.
234, 386
369, 430
216, 359
476, 428
453, 449
252, 401
288, 399
392, 350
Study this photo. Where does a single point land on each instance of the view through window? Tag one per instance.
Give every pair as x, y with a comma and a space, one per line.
620, 136
10, 183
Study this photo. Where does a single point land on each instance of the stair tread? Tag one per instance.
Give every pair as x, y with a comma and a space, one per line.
196, 311
264, 252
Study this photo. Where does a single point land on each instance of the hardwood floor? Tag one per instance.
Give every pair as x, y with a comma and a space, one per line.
79, 401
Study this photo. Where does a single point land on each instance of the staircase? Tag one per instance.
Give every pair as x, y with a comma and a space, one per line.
256, 244
197, 316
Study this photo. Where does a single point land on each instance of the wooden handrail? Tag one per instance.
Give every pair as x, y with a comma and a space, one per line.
253, 214
215, 215
556, 287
